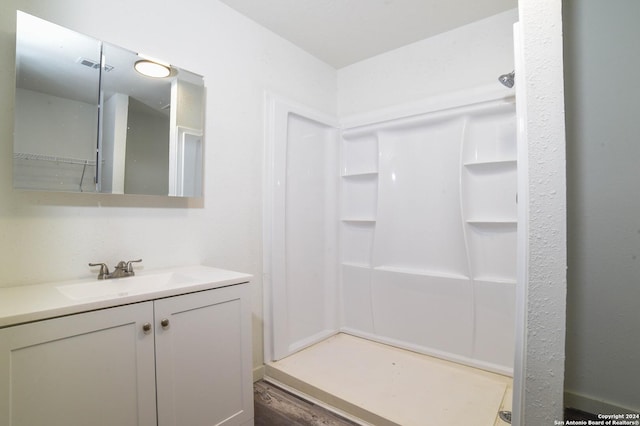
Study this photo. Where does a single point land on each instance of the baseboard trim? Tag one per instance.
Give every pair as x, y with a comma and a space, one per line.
258, 373
595, 406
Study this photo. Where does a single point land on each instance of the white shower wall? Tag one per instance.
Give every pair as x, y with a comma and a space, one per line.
428, 233
402, 231
310, 240
301, 253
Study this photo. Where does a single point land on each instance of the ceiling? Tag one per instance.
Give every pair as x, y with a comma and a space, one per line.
342, 32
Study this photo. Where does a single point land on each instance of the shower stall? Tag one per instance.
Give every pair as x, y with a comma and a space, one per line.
398, 227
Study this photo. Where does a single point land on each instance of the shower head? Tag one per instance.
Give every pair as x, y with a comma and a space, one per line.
508, 80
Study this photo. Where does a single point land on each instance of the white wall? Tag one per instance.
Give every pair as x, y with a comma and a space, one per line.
56, 127
147, 152
52, 236
47, 131
540, 373
115, 111
602, 97
468, 57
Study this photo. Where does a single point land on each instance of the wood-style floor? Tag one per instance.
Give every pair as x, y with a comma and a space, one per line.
276, 407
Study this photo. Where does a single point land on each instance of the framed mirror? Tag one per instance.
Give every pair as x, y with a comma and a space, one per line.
89, 118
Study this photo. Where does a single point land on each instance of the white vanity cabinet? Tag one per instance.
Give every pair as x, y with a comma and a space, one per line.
175, 361
94, 368
203, 358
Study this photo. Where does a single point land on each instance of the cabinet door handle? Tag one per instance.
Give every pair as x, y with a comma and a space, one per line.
146, 327
164, 323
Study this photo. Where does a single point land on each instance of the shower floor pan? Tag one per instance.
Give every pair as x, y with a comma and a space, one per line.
386, 386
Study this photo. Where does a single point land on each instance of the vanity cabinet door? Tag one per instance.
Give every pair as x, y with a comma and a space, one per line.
203, 358
94, 368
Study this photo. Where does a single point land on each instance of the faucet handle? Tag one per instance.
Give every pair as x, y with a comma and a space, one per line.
130, 266
104, 270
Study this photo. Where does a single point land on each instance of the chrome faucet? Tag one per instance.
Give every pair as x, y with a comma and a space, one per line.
122, 269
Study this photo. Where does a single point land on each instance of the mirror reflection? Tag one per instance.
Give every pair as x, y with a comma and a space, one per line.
56, 107
88, 121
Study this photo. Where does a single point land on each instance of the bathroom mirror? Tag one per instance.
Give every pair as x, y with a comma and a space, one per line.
87, 121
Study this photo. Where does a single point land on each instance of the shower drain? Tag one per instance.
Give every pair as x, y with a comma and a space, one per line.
505, 416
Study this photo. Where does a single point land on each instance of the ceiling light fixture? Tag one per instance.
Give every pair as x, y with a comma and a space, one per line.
152, 69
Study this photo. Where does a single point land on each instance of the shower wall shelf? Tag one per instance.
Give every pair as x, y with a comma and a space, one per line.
428, 222
359, 196
357, 241
421, 272
496, 280
489, 191
359, 155
417, 248
365, 174
492, 222
357, 265
491, 166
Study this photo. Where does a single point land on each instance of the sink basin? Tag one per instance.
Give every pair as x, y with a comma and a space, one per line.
120, 287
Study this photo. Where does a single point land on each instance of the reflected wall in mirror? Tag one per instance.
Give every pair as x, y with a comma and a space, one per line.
56, 107
87, 121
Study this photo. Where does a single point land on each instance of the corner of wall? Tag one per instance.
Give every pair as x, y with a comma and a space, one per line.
545, 301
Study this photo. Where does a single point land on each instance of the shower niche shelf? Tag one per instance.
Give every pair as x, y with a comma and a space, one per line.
359, 197
421, 272
491, 166
360, 265
492, 250
490, 191
495, 279
361, 175
359, 155
490, 137
356, 238
492, 223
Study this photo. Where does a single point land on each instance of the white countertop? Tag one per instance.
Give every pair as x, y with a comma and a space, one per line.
41, 301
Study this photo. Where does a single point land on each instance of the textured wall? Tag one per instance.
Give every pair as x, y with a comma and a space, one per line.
544, 310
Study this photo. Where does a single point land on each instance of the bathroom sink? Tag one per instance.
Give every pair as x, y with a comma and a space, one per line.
120, 287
